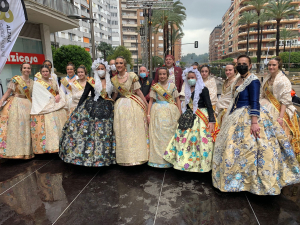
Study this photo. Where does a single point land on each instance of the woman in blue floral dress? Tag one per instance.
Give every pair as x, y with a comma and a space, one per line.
251, 152
87, 138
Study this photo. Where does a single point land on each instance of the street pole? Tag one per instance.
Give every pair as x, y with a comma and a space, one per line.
290, 54
137, 50
92, 29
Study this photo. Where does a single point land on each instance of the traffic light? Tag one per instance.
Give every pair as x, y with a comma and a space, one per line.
196, 44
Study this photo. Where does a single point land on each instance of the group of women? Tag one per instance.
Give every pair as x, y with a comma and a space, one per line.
249, 137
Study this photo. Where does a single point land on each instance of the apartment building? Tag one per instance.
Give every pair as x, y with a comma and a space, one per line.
234, 37
106, 25
214, 44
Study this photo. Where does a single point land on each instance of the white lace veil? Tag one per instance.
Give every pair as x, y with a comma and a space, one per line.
198, 88
98, 83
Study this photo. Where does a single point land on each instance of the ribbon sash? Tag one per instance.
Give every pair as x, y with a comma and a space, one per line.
38, 75
163, 93
47, 86
126, 93
77, 85
23, 85
66, 84
293, 125
104, 95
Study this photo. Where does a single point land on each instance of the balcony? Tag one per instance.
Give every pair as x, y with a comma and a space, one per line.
129, 24
62, 6
129, 16
130, 33
265, 31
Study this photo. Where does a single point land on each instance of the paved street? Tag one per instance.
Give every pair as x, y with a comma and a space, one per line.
45, 191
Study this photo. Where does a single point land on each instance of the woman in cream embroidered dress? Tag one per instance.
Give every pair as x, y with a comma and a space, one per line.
225, 99
47, 114
15, 141
280, 87
130, 122
210, 83
78, 87
163, 118
252, 153
53, 75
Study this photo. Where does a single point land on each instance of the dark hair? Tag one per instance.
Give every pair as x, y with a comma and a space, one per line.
71, 64
244, 56
121, 57
48, 62
164, 68
232, 64
45, 66
195, 64
83, 67
279, 60
21, 66
201, 67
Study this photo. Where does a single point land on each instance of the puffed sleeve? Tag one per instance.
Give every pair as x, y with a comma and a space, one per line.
135, 81
206, 98
11, 85
85, 94
175, 93
254, 91
285, 88
152, 94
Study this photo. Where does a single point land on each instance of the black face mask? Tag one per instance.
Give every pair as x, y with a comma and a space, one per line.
242, 69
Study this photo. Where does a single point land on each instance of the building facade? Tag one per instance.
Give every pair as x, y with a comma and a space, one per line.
106, 26
214, 44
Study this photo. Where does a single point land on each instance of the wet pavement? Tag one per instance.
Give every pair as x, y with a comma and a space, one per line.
47, 191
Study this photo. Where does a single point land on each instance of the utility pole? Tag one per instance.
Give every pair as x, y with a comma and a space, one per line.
92, 29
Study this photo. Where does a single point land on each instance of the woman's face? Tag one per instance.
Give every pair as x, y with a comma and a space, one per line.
45, 73
204, 72
120, 65
81, 73
26, 69
101, 67
273, 66
162, 75
70, 70
48, 64
229, 71
191, 76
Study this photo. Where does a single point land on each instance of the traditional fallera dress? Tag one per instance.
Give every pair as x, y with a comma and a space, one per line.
272, 97
191, 148
77, 91
47, 117
163, 122
15, 141
223, 102
211, 84
53, 77
130, 123
242, 163
88, 138
67, 87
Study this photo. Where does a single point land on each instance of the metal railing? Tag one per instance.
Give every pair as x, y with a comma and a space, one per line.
62, 6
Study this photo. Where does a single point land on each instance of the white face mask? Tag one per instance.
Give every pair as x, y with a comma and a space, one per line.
113, 67
101, 73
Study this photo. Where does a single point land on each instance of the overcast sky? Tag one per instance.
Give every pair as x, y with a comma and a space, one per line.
202, 17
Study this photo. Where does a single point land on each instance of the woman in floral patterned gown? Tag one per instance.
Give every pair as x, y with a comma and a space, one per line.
191, 147
87, 138
251, 152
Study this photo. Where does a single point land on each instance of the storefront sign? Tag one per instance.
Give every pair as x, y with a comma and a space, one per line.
20, 57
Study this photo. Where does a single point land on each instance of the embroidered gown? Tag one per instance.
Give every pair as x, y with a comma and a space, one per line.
191, 148
88, 138
47, 117
77, 91
130, 124
15, 141
281, 90
242, 163
211, 84
163, 124
67, 87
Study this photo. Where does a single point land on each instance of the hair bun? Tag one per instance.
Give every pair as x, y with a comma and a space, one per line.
82, 66
70, 63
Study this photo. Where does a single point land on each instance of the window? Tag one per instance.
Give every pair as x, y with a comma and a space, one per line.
71, 36
142, 21
142, 14
160, 38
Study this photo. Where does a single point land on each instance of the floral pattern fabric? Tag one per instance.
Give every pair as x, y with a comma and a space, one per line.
191, 149
242, 163
88, 138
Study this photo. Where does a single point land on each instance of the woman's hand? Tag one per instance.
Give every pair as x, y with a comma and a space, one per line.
255, 130
280, 121
211, 127
57, 98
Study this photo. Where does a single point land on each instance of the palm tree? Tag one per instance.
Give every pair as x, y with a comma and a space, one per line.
175, 36
247, 19
259, 6
279, 10
105, 49
287, 35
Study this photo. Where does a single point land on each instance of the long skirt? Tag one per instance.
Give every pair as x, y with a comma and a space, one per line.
131, 130
15, 140
46, 130
163, 124
220, 117
191, 150
261, 166
87, 137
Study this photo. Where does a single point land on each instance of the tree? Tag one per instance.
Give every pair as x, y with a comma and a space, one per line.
259, 6
71, 53
157, 61
279, 10
247, 19
286, 35
122, 51
105, 49
175, 36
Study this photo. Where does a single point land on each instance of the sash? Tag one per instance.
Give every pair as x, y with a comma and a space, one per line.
77, 85
202, 116
126, 93
38, 75
66, 84
104, 95
47, 86
163, 93
22, 83
292, 124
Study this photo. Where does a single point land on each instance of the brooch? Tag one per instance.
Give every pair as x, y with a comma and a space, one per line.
147, 82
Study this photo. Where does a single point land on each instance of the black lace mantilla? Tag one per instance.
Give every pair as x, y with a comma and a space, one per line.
100, 109
186, 120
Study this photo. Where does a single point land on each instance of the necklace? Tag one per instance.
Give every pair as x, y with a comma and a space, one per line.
121, 77
72, 77
25, 80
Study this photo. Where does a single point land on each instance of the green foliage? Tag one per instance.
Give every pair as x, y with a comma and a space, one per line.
226, 60
105, 49
182, 64
122, 51
295, 57
157, 61
53, 50
189, 59
253, 59
71, 53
